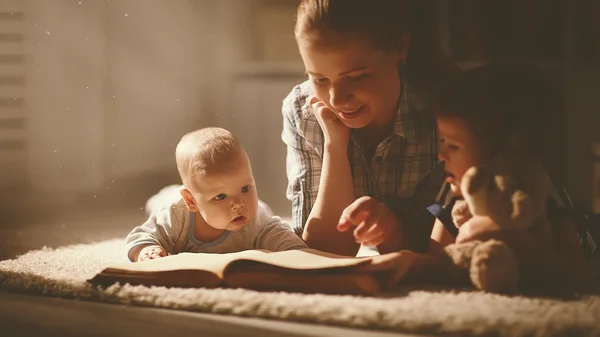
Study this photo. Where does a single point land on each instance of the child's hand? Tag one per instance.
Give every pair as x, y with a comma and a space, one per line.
334, 131
151, 252
374, 222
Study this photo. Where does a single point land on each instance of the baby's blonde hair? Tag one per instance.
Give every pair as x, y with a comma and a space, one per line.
204, 150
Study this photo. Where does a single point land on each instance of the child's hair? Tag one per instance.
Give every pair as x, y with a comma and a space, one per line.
385, 22
506, 106
203, 151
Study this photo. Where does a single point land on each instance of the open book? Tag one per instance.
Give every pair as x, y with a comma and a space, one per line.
306, 270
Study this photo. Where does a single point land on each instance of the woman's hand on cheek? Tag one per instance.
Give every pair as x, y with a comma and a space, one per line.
334, 131
478, 228
373, 223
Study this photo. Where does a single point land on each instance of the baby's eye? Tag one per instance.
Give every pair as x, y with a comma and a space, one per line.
220, 197
246, 189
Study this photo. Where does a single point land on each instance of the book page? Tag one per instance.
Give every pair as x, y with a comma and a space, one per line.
214, 263
298, 260
305, 259
305, 282
169, 278
208, 270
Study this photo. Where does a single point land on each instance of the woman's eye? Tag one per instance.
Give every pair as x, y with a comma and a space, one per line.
453, 147
319, 81
246, 189
220, 197
359, 77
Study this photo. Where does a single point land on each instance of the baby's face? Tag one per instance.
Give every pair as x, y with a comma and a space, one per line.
459, 150
227, 199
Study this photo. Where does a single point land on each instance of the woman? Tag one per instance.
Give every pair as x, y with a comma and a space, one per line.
361, 126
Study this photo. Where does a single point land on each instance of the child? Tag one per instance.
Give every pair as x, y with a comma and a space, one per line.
499, 109
490, 111
219, 211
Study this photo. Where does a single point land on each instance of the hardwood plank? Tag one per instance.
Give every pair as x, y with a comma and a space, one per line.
44, 316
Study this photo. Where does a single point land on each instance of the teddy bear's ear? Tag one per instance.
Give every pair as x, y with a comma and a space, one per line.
504, 183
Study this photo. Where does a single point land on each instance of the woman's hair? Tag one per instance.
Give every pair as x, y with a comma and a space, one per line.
385, 22
506, 106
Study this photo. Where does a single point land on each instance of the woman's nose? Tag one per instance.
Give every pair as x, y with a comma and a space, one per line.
339, 96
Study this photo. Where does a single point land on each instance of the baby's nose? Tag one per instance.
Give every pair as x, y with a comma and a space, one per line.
442, 156
238, 203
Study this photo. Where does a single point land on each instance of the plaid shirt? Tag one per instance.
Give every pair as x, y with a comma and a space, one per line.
398, 165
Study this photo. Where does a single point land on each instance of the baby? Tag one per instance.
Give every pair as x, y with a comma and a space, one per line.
219, 211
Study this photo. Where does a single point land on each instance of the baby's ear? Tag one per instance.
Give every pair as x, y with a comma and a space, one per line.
189, 200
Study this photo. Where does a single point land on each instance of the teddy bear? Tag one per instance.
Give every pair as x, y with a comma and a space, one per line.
512, 190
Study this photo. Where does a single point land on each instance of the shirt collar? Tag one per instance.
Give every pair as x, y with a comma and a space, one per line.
404, 125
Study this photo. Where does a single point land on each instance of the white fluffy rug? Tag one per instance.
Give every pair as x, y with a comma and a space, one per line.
62, 273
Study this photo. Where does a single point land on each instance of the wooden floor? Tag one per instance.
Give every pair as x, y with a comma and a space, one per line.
23, 315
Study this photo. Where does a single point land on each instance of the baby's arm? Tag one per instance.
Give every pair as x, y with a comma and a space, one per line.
154, 238
277, 235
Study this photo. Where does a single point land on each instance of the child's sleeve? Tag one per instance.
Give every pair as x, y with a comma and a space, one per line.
162, 228
277, 235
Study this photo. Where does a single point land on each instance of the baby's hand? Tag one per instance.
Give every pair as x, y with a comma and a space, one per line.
374, 222
151, 252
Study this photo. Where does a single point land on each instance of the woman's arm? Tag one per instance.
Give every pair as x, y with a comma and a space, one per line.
336, 192
320, 186
416, 229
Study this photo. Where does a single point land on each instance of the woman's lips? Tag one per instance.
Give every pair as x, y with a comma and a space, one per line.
350, 114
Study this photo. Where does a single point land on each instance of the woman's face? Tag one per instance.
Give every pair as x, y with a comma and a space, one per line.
358, 82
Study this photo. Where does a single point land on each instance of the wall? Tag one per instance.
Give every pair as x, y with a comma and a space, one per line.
66, 45
159, 57
256, 119
112, 86
583, 129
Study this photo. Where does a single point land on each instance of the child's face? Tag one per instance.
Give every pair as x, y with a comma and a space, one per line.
358, 82
228, 199
459, 149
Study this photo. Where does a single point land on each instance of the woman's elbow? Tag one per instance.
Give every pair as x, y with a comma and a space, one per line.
315, 237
